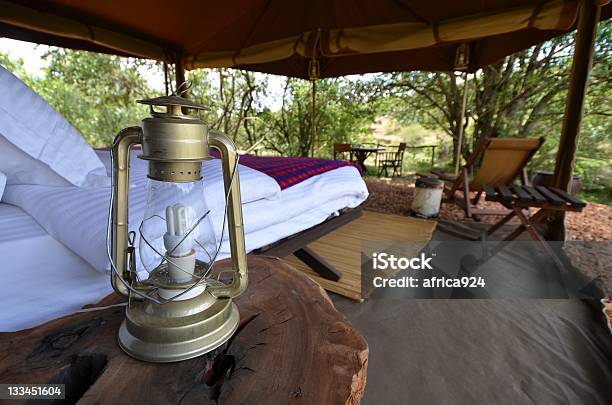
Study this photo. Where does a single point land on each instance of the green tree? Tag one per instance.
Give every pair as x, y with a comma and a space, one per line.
343, 113
233, 100
96, 93
17, 68
522, 95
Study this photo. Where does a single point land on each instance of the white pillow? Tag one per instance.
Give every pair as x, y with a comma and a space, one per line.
37, 145
2, 184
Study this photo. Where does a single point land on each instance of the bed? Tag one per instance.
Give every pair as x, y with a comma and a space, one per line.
77, 216
68, 231
42, 278
54, 209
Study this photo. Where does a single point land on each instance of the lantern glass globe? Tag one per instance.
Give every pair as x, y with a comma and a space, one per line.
176, 227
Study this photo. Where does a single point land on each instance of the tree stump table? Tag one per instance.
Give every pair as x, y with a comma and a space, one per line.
292, 346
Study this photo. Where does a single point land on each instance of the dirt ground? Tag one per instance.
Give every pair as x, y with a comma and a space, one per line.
593, 224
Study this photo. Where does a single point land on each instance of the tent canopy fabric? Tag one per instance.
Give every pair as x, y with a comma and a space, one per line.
290, 37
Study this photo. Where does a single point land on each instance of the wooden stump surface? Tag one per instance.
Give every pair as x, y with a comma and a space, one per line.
292, 346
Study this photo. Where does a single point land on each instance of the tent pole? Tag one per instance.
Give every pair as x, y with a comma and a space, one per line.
179, 69
166, 84
313, 125
461, 119
574, 106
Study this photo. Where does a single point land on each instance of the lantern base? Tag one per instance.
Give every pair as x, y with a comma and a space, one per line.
177, 330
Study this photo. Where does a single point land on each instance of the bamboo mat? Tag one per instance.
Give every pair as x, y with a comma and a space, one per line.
342, 247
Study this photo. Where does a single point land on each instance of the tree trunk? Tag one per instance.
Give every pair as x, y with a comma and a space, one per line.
179, 69
291, 346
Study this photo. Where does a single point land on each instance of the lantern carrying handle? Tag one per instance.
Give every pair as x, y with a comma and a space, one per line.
231, 181
122, 146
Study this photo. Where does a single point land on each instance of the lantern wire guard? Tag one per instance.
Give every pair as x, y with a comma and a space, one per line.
165, 257
170, 318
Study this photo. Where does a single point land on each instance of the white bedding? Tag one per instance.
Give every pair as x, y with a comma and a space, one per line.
48, 280
77, 216
42, 278
38, 145
53, 256
300, 207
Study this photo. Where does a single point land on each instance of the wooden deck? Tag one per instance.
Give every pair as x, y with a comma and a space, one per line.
342, 247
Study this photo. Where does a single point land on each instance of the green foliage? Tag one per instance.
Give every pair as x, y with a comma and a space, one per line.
16, 67
341, 116
601, 196
233, 99
522, 95
96, 93
236, 108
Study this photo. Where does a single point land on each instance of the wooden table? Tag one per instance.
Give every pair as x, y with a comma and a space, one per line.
291, 346
361, 154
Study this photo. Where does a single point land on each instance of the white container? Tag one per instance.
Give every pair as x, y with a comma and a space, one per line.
427, 197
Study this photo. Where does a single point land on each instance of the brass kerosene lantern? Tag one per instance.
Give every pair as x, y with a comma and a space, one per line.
177, 312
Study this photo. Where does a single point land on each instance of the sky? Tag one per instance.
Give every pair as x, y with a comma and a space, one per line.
34, 63
29, 52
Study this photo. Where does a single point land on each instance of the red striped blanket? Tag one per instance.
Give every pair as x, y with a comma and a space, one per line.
289, 171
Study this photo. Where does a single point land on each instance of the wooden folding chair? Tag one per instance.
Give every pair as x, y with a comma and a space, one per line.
503, 160
547, 200
341, 148
391, 160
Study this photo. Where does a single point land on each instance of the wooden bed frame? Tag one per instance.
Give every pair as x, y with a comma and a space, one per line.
297, 244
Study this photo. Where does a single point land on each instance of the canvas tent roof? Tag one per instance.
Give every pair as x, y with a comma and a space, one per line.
282, 37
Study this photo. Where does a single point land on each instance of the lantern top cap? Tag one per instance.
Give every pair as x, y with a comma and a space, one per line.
172, 101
